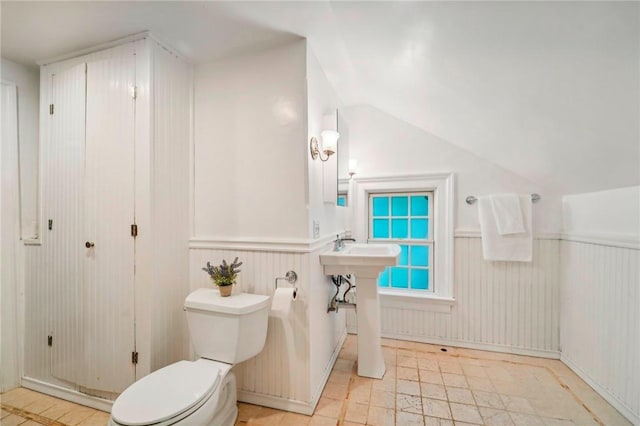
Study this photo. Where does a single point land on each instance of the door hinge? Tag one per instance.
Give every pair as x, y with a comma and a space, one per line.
134, 357
134, 92
50, 109
134, 230
49, 340
50, 224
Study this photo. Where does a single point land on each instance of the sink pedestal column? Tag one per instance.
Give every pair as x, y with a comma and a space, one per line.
370, 359
365, 262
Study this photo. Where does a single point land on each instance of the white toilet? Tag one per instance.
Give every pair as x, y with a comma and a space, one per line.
224, 331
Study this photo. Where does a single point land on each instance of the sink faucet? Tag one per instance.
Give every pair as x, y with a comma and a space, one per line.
338, 244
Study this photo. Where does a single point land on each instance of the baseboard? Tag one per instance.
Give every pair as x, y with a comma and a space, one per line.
540, 353
67, 394
276, 402
634, 418
300, 407
327, 371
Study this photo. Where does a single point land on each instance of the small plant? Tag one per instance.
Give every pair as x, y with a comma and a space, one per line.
224, 274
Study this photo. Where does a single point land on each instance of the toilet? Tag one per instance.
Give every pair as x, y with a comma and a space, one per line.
224, 332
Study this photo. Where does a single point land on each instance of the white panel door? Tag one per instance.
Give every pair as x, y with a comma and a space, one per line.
63, 207
10, 236
110, 209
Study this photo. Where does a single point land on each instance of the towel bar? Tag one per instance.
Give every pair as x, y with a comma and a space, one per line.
471, 199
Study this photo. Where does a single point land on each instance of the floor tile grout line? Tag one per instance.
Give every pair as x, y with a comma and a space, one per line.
30, 416
522, 363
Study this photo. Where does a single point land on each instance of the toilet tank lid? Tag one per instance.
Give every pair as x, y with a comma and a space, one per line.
237, 304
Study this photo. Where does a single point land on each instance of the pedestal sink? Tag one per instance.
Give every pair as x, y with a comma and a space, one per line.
365, 262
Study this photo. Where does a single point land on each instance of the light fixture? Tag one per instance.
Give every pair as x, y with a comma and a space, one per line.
353, 166
329, 144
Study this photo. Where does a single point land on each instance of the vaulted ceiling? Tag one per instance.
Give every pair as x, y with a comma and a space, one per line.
548, 90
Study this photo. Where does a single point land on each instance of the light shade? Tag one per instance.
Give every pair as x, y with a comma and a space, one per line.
329, 141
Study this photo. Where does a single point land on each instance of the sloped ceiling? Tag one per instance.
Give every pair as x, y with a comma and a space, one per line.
547, 90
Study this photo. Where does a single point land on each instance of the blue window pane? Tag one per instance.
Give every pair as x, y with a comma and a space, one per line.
399, 277
419, 206
399, 228
381, 206
383, 279
420, 279
342, 201
404, 256
420, 255
380, 228
419, 228
400, 206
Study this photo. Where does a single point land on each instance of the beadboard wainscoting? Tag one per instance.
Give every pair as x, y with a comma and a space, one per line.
277, 377
600, 333
501, 306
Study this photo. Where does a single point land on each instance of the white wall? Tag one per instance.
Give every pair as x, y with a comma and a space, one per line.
250, 146
19, 206
382, 144
322, 105
600, 321
325, 329
505, 306
257, 193
28, 82
611, 214
11, 252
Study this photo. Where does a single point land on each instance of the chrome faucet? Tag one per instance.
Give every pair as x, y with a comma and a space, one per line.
338, 244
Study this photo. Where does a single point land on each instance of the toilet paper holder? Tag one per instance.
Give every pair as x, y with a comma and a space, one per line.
291, 277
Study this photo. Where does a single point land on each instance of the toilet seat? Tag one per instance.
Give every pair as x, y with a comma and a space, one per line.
169, 394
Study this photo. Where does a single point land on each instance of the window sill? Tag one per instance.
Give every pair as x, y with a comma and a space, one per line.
415, 301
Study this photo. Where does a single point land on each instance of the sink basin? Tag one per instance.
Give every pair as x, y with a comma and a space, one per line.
365, 262
358, 255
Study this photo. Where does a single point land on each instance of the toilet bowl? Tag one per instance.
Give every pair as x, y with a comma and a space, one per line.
224, 331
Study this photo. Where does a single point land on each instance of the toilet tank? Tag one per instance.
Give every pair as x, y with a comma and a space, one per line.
227, 329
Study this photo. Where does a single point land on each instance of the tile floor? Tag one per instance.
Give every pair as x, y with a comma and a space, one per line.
422, 386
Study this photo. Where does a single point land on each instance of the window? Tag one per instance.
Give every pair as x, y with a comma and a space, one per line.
342, 199
407, 220
415, 212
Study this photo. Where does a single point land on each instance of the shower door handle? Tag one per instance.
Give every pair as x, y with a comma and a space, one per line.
89, 244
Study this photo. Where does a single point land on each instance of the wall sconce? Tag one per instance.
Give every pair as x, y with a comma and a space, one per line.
353, 166
329, 144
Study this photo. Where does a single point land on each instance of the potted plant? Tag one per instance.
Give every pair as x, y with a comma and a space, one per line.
224, 275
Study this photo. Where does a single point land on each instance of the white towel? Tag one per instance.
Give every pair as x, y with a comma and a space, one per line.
512, 247
507, 213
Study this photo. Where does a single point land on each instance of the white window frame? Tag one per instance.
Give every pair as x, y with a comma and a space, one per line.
427, 242
442, 185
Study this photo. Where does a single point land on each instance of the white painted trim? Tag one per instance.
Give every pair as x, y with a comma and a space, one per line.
261, 244
475, 233
608, 396
630, 241
415, 301
400, 177
276, 402
96, 48
113, 43
327, 371
469, 345
67, 394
